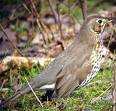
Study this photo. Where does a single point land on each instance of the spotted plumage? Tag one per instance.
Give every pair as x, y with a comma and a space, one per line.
97, 58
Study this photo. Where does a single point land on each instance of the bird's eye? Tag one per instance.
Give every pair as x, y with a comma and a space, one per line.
99, 21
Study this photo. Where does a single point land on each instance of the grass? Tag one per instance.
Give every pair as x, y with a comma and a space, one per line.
80, 99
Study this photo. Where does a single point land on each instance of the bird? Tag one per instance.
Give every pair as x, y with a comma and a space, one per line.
73, 67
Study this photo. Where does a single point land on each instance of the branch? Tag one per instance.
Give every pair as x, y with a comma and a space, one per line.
59, 20
83, 4
35, 14
14, 46
53, 11
33, 92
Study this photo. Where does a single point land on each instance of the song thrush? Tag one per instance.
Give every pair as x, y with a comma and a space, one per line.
75, 66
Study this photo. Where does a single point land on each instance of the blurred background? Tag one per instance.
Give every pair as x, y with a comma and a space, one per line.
32, 34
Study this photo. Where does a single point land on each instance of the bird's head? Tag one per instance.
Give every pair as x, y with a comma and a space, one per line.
97, 25
92, 28
105, 30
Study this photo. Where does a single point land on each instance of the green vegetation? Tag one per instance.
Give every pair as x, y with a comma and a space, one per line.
80, 99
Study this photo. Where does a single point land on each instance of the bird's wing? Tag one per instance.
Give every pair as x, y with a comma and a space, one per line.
66, 83
70, 78
74, 54
73, 72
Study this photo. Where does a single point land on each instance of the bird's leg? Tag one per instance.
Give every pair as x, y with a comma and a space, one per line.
48, 96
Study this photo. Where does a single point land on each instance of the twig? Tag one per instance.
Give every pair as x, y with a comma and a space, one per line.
59, 21
74, 5
25, 6
83, 4
4, 81
39, 27
114, 87
10, 40
35, 13
34, 92
55, 17
53, 11
99, 97
52, 33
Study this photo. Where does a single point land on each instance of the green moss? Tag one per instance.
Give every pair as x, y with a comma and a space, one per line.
81, 99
